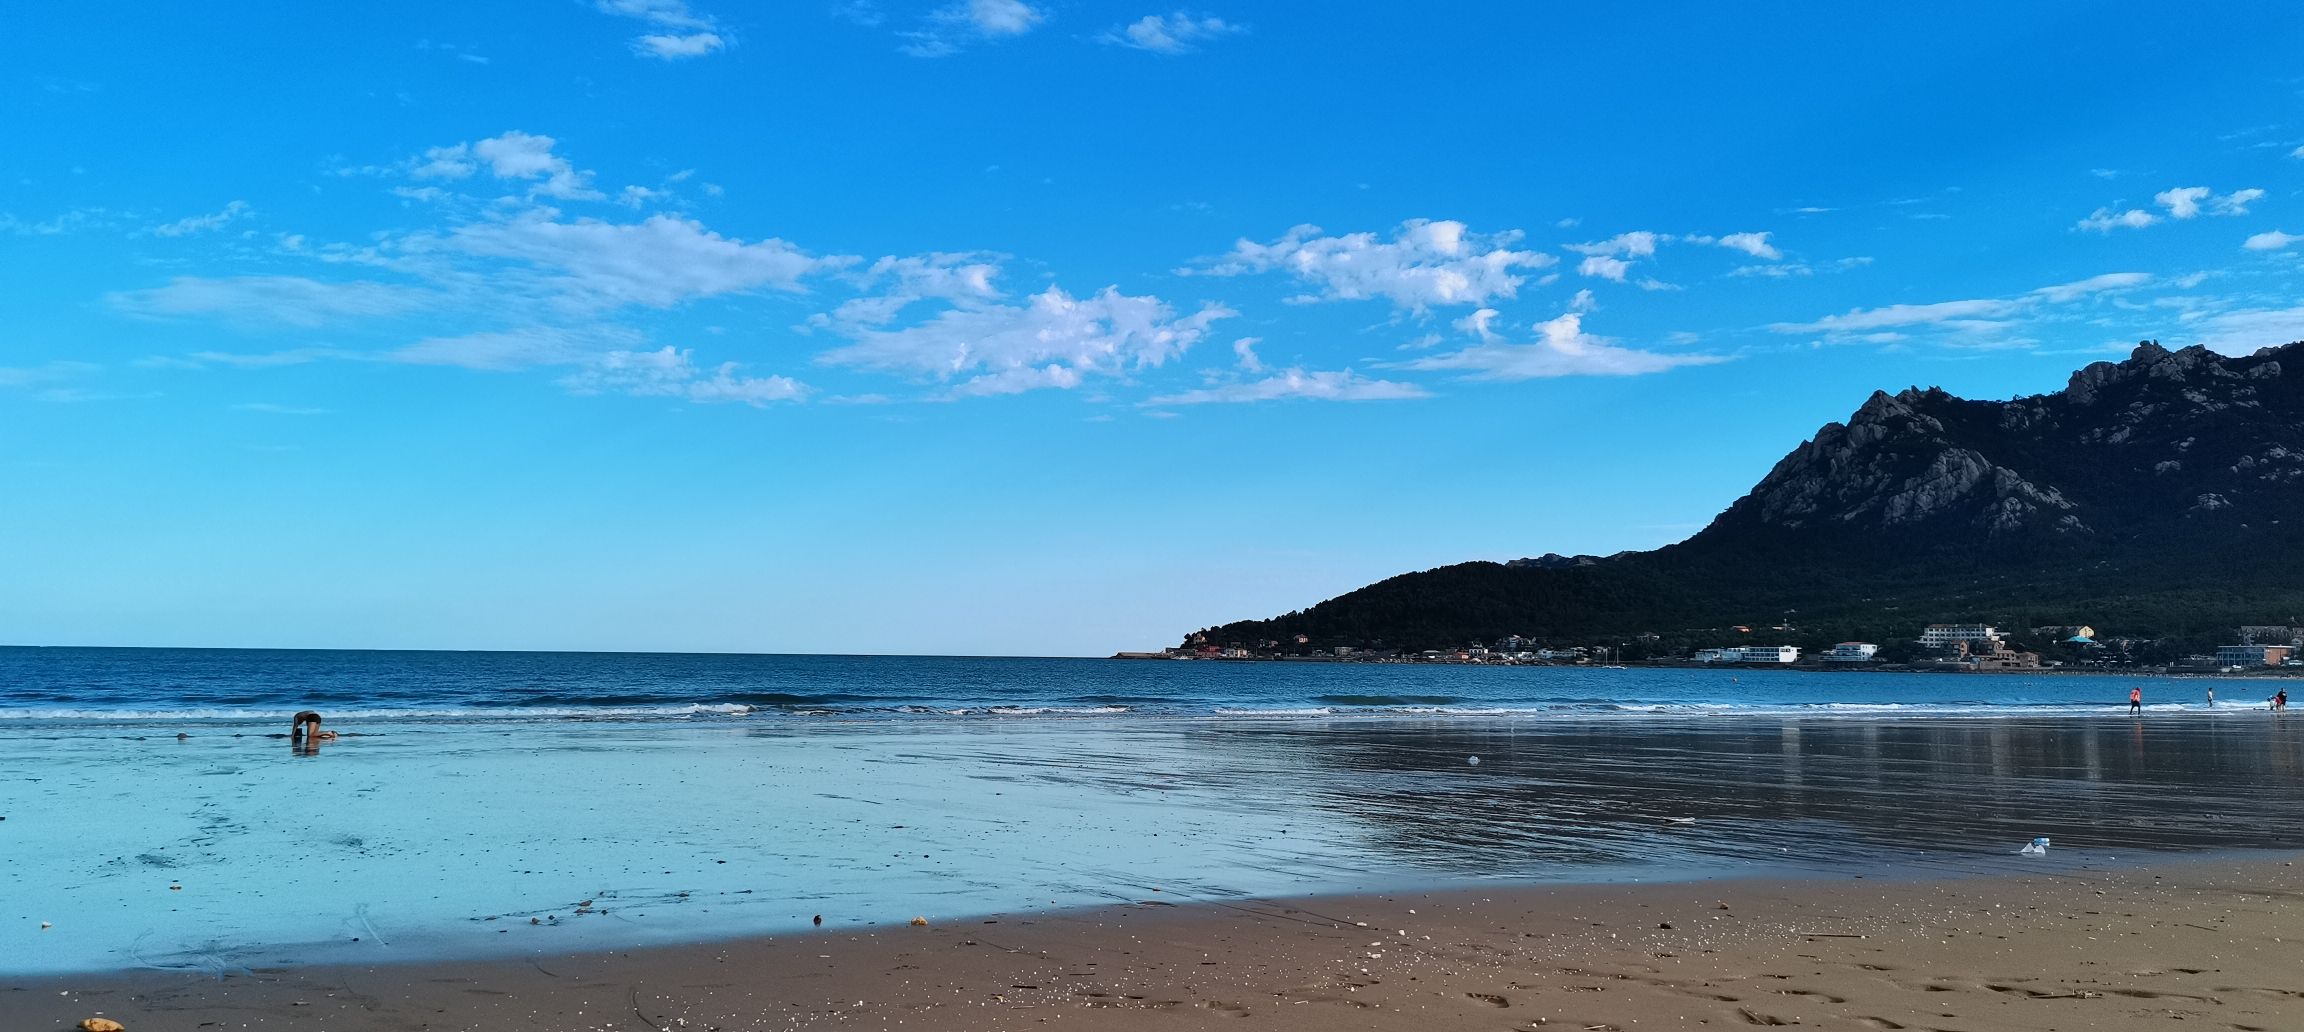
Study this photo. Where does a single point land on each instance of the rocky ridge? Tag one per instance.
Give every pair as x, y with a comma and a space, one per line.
2163, 490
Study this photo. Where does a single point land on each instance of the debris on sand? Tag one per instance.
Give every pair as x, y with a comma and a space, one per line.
101, 1025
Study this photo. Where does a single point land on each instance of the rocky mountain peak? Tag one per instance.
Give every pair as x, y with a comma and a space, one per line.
2190, 424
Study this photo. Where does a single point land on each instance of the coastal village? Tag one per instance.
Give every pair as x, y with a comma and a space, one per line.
1938, 647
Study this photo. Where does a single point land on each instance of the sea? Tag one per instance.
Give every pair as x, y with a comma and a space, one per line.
154, 812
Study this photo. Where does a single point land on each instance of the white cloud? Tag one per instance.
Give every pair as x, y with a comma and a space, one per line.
1052, 339
669, 47
2186, 202
671, 373
1972, 316
1336, 385
2242, 332
1425, 263
660, 261
1480, 324
2270, 240
1244, 349
957, 24
2105, 220
2077, 289
1859, 319
1613, 259
998, 17
1636, 244
1604, 267
1754, 244
964, 278
2237, 202
284, 300
1561, 349
2183, 202
684, 32
202, 223
507, 350
1177, 33
515, 155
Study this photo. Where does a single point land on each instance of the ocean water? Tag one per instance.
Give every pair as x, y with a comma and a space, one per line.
153, 813
145, 686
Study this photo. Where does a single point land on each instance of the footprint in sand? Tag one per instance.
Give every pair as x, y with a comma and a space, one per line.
1491, 999
1227, 1010
1826, 997
1878, 1023
1753, 1017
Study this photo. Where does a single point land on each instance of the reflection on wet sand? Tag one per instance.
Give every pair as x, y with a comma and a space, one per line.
1815, 793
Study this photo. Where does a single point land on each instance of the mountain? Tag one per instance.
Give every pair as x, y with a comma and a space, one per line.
2158, 496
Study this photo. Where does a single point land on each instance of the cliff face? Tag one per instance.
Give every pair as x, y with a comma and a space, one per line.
2134, 448
2167, 488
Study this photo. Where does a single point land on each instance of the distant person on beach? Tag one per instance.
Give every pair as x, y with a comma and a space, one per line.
2211, 696
2135, 700
2280, 699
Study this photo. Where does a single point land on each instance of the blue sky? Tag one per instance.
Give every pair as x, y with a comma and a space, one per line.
1026, 326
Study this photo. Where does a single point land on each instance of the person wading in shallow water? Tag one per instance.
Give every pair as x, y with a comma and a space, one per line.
2135, 700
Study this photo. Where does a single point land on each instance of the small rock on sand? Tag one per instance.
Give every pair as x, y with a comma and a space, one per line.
101, 1025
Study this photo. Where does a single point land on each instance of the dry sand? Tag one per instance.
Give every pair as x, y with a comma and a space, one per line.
2210, 943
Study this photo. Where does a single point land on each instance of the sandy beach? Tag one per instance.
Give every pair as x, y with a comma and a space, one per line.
2207, 942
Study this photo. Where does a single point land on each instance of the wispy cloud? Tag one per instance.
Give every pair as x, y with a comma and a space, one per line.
1296, 385
2105, 220
202, 223
272, 300
681, 31
660, 261
2270, 240
669, 372
269, 408
1425, 263
1178, 33
1972, 315
1562, 348
2073, 291
2182, 202
951, 28
2246, 330
514, 155
1052, 339
46, 372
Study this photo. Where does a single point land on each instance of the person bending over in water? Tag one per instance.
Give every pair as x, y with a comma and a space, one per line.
299, 729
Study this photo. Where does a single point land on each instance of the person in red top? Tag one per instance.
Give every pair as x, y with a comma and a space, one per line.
2135, 700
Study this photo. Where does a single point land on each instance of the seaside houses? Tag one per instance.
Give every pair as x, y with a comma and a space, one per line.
1940, 635
1784, 654
1851, 652
2253, 655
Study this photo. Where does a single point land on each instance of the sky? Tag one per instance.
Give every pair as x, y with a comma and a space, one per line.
1043, 327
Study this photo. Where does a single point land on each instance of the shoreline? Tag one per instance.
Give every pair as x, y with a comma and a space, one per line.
2091, 946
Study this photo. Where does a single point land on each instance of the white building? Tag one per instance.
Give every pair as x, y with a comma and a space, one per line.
1852, 652
1750, 654
1947, 634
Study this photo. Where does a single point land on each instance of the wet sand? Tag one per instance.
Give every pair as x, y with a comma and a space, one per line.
2211, 943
